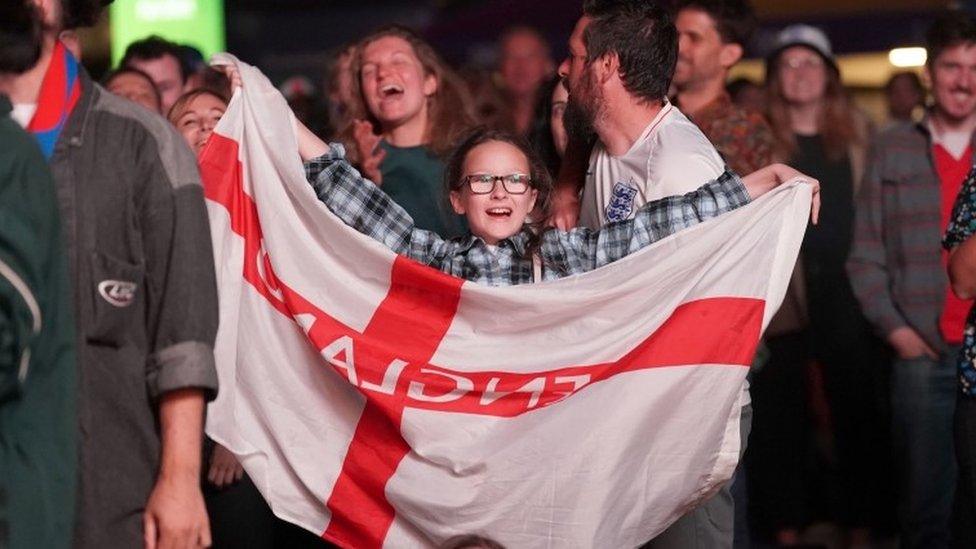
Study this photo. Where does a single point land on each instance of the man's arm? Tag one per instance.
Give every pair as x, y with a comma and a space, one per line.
869, 271
958, 240
565, 206
181, 302
175, 513
962, 269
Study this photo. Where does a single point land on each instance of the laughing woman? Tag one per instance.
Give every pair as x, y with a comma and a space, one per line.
411, 108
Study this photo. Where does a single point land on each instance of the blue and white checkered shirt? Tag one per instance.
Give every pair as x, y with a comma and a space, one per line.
366, 208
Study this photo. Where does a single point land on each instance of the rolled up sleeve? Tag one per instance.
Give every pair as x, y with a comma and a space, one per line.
182, 290
189, 364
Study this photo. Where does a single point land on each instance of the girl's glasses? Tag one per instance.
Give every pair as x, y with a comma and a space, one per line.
484, 183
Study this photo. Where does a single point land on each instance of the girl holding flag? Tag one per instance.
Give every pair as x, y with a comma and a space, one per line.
496, 181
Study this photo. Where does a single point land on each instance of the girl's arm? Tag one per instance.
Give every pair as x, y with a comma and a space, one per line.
364, 207
309, 145
582, 249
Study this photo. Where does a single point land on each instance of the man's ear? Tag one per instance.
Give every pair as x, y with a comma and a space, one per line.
607, 67
927, 78
730, 54
456, 203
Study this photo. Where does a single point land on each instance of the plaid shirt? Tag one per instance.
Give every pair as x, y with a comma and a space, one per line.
962, 225
366, 208
895, 265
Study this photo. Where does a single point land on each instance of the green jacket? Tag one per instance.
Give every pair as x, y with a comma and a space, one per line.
37, 360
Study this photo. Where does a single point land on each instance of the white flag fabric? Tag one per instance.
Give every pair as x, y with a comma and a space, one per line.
379, 403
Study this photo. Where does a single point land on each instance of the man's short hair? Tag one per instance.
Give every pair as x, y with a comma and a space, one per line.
910, 76
947, 31
643, 37
81, 13
734, 20
154, 47
20, 36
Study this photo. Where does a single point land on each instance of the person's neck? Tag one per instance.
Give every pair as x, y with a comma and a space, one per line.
25, 88
946, 124
523, 109
805, 118
620, 128
695, 96
411, 133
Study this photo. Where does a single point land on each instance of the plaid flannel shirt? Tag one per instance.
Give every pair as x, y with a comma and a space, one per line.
366, 208
895, 266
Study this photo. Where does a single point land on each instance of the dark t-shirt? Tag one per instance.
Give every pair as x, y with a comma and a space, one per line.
827, 244
413, 177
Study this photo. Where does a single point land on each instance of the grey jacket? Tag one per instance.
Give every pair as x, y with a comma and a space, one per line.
145, 298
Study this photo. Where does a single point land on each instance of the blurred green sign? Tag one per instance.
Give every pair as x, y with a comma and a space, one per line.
198, 23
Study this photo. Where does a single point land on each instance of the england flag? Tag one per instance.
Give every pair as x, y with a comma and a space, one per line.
379, 403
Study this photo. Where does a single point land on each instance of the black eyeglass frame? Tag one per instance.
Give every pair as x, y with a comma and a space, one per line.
494, 181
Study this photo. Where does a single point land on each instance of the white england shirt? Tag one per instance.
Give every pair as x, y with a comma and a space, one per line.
672, 156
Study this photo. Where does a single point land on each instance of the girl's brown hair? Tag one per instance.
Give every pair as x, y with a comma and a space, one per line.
541, 181
837, 125
181, 104
449, 111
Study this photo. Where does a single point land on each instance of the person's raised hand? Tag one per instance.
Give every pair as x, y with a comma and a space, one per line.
565, 209
766, 179
370, 153
232, 73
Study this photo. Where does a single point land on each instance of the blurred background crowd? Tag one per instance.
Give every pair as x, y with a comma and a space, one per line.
819, 85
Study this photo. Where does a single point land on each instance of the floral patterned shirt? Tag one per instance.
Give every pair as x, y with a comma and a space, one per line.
962, 225
743, 137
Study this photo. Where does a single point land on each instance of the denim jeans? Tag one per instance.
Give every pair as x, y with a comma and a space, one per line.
923, 392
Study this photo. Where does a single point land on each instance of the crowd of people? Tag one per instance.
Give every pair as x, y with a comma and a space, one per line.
860, 409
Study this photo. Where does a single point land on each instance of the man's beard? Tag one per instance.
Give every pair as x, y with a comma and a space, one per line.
581, 112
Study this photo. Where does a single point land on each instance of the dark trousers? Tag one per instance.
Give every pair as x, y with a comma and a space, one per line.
241, 519
778, 444
964, 513
854, 362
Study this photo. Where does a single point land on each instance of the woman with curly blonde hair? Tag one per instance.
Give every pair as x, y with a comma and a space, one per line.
409, 108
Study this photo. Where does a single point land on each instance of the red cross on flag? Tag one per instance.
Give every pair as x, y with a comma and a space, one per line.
380, 403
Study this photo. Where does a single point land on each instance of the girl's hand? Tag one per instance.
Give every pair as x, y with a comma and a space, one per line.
224, 467
371, 155
766, 179
309, 145
232, 74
